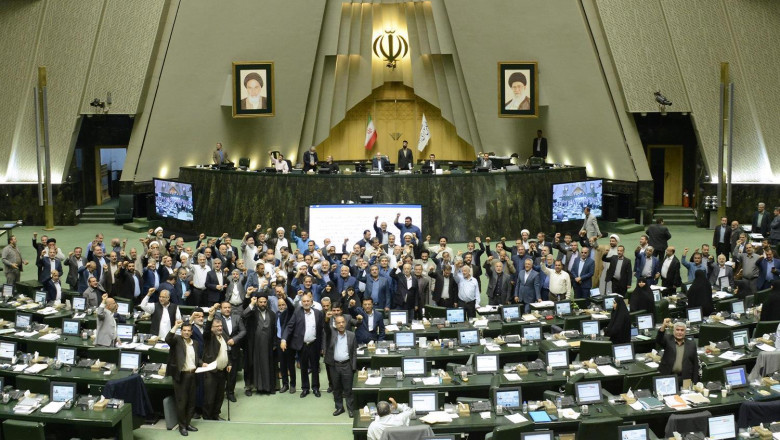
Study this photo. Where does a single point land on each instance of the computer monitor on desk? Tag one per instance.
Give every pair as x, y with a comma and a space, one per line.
645, 322
537, 435
738, 307
589, 328
558, 358
129, 360
123, 308
424, 402
588, 393
665, 385
414, 366
399, 317
735, 376
456, 316
510, 313
66, 355
623, 352
468, 337
634, 432
722, 427
694, 315
509, 398
404, 339
70, 327
486, 363
7, 350
79, 303
23, 320
62, 391
563, 308
532, 332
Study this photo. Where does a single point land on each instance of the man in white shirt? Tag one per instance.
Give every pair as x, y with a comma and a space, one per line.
199, 274
164, 313
214, 351
560, 282
468, 290
386, 419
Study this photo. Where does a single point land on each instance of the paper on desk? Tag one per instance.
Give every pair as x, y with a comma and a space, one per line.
776, 435
26, 334
561, 343
47, 311
492, 348
656, 287
695, 398
599, 316
49, 337
516, 418
542, 304
162, 346
675, 402
514, 377
487, 309
515, 345
485, 414
731, 355
652, 364
636, 406
765, 347
529, 318
361, 352
430, 380
374, 380
143, 347
607, 370
210, 367
730, 322
568, 413
481, 323
36, 368
721, 295
391, 328
128, 345
418, 326
157, 376
52, 407
438, 417
20, 367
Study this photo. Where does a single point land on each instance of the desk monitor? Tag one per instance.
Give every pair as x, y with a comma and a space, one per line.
122, 308
657, 295
404, 339
537, 435
739, 338
694, 315
70, 327
735, 376
8, 290
413, 366
563, 308
66, 355
532, 332
722, 427
7, 350
665, 385
424, 402
63, 391
509, 398
40, 297
468, 337
510, 312
397, 316
589, 328
486, 363
456, 316
609, 302
79, 303
634, 432
645, 322
558, 358
738, 307
129, 360
23, 320
634, 331
124, 332
623, 352
588, 393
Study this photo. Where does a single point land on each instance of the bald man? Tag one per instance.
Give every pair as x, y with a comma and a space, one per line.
105, 335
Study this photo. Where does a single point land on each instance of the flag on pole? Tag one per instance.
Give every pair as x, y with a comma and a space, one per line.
425, 134
370, 134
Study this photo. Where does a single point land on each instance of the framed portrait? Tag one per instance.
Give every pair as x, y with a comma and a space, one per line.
518, 89
253, 89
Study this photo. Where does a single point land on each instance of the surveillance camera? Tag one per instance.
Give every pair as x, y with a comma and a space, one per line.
661, 99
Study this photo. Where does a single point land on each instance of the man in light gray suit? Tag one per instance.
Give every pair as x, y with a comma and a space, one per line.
528, 287
93, 292
75, 260
105, 335
591, 226
499, 290
235, 294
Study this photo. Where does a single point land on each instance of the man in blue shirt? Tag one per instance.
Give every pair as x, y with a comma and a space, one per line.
407, 227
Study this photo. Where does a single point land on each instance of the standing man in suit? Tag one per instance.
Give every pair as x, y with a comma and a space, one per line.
445, 287
768, 269
405, 157
608, 252
304, 334
163, 313
182, 362
406, 289
341, 359
93, 292
680, 357
53, 287
233, 331
105, 335
286, 359
658, 236
619, 271
670, 271
371, 326
582, 274
13, 263
721, 238
220, 156
499, 289
310, 159
761, 220
721, 271
540, 145
590, 227
48, 263
128, 282
235, 293
647, 265
485, 162
379, 162
214, 350
216, 283
76, 260
378, 289
528, 287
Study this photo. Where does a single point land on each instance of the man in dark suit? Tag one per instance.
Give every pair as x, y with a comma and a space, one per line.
53, 287
216, 283
379, 162
233, 331
304, 333
689, 365
341, 359
86, 272
619, 272
371, 326
658, 236
761, 221
77, 260
47, 263
253, 83
721, 238
582, 274
406, 288
128, 282
528, 288
540, 145
182, 361
310, 159
499, 289
378, 289
151, 276
444, 297
720, 271
215, 350
405, 157
670, 271
768, 270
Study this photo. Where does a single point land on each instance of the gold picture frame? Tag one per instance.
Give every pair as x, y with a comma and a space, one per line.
253, 79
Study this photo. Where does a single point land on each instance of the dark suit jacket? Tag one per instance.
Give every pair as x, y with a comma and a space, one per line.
404, 298
506, 283
239, 330
212, 294
690, 364
44, 268
331, 348
361, 331
672, 279
124, 286
453, 288
405, 159
541, 150
51, 290
625, 270
307, 161
296, 328
211, 345
587, 272
73, 268
177, 354
530, 290
658, 236
763, 228
726, 236
375, 163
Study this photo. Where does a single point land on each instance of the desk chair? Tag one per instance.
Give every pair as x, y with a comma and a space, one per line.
591, 349
406, 432
36, 384
25, 430
378, 362
105, 354
449, 333
724, 306
157, 356
694, 422
753, 413
573, 322
187, 310
602, 428
8, 314
662, 310
766, 364
568, 388
435, 311
714, 333
511, 328
509, 432
401, 395
713, 371
639, 381
143, 326
763, 327
44, 348
761, 295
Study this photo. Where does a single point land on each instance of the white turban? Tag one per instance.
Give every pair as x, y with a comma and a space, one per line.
615, 236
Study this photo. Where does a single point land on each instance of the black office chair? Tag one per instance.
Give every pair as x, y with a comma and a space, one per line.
591, 349
713, 371
105, 354
21, 429
639, 381
713, 333
753, 413
406, 432
435, 312
157, 356
662, 310
448, 333
763, 327
602, 428
511, 328
573, 322
692, 422
378, 362
400, 395
44, 348
509, 432
243, 163
724, 306
761, 295
36, 384
124, 212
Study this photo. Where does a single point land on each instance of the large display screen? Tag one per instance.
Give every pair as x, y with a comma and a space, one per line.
173, 200
338, 222
569, 199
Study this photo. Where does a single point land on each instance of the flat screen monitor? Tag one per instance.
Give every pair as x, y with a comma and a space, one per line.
399, 317
657, 295
694, 315
40, 297
413, 366
589, 328
739, 338
510, 398
722, 427
70, 327
735, 376
173, 200
124, 332
563, 308
558, 358
570, 199
665, 385
404, 339
623, 352
23, 320
645, 322
7, 350
634, 432
588, 392
511, 313
456, 316
424, 402
537, 435
8, 290
468, 337
123, 308
62, 391
609, 302
129, 360
66, 355
532, 332
486, 363
634, 331
738, 307
79, 303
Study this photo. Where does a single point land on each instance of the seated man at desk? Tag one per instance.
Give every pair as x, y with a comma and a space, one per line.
680, 356
485, 162
386, 419
379, 162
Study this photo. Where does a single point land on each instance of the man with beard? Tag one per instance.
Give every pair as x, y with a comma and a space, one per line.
261, 329
233, 332
286, 359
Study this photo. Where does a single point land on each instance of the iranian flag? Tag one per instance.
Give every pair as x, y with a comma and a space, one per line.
370, 134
